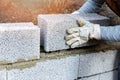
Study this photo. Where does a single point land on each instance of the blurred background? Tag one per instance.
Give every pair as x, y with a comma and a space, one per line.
27, 10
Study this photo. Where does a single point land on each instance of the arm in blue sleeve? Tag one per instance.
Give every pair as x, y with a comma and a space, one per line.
91, 6
110, 33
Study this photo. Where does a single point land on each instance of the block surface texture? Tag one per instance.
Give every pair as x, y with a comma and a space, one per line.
53, 28
113, 75
3, 74
98, 62
56, 69
19, 41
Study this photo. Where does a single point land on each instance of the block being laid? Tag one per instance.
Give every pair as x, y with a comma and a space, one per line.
19, 41
53, 28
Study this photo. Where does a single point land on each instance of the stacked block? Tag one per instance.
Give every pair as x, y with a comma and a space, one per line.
18, 42
53, 28
92, 66
20, 46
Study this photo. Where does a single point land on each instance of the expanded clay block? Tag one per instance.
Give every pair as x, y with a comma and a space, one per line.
53, 28
56, 69
98, 62
112, 75
19, 41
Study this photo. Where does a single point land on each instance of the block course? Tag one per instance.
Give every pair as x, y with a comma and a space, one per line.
67, 68
18, 42
53, 28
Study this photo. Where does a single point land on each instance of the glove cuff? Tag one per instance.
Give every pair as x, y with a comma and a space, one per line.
95, 34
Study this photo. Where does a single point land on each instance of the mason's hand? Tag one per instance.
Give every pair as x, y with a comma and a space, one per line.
80, 35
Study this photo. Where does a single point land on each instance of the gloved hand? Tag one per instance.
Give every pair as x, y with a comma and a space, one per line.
80, 35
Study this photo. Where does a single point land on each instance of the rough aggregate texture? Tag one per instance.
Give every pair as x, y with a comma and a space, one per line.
19, 41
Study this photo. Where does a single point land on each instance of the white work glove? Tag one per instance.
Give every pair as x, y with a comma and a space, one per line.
80, 35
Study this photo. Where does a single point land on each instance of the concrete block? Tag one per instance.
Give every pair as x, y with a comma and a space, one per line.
3, 74
98, 62
19, 41
56, 69
53, 28
113, 75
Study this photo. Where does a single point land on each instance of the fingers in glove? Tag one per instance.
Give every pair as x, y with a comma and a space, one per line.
82, 22
73, 30
71, 36
74, 45
71, 41
78, 43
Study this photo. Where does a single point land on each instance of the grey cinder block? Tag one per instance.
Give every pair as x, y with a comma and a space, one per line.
56, 69
19, 41
53, 28
3, 74
98, 62
112, 75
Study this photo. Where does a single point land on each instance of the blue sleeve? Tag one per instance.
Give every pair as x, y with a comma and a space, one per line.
91, 6
110, 33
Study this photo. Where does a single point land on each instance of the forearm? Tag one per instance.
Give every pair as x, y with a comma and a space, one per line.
91, 6
110, 33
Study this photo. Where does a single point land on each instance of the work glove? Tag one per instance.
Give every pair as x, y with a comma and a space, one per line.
80, 35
